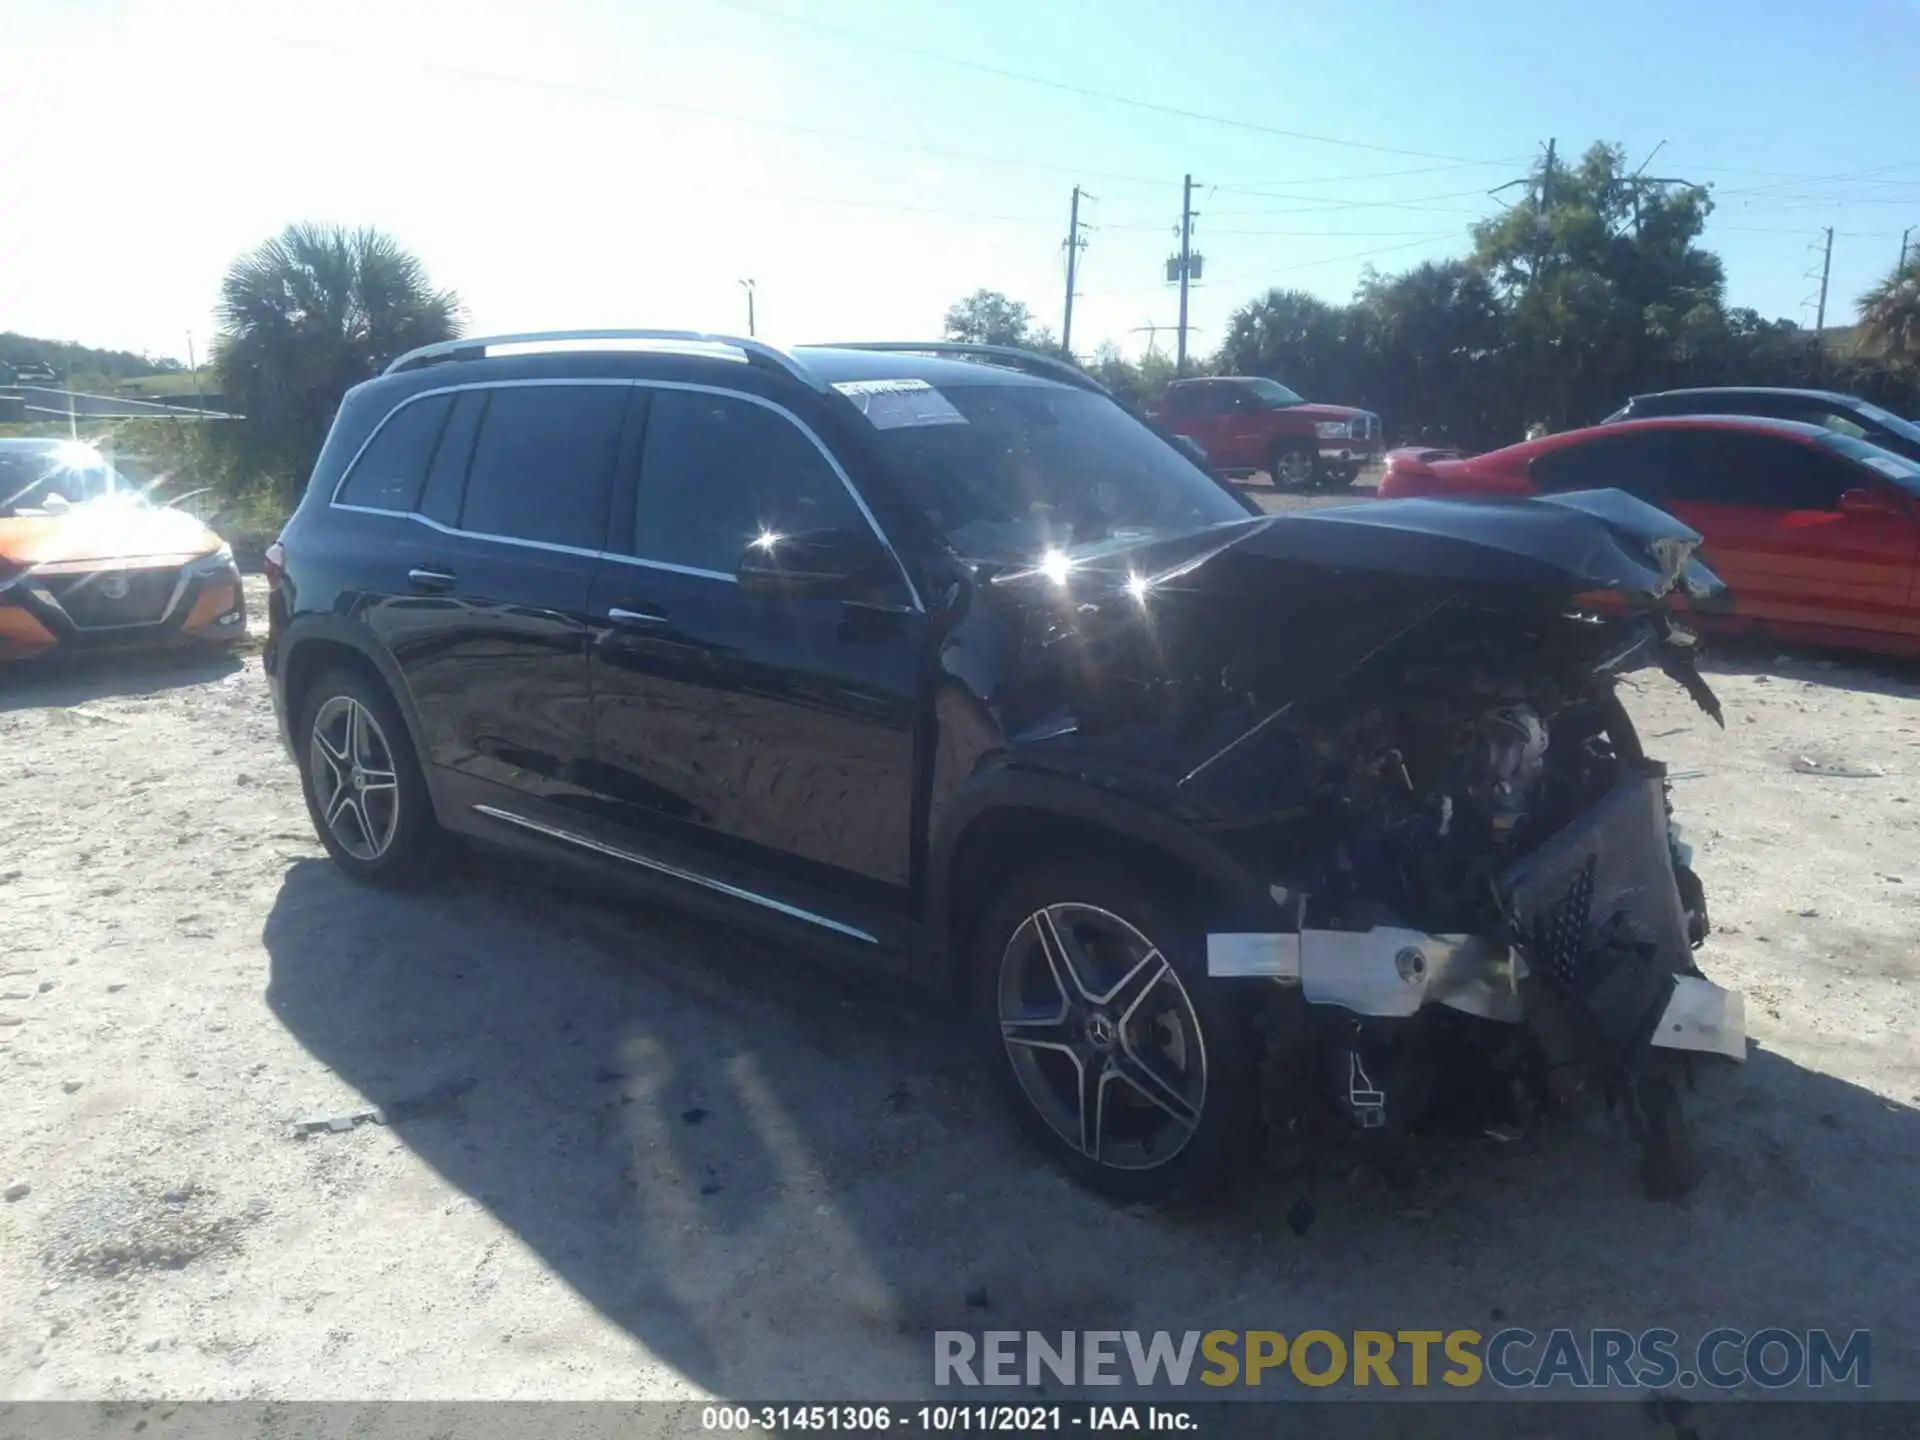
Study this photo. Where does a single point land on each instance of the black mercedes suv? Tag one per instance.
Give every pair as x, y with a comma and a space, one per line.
936, 659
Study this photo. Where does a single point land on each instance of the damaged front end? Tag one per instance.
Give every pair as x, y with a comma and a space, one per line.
1488, 908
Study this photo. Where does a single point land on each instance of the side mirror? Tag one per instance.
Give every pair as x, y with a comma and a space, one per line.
1865, 504
815, 564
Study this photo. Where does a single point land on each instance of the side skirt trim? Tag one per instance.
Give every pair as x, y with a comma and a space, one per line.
660, 866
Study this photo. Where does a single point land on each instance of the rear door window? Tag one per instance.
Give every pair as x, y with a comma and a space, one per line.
390, 471
543, 463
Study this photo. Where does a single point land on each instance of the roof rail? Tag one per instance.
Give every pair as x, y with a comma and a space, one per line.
1010, 356
752, 352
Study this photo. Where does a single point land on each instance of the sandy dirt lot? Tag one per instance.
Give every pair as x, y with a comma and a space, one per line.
631, 1155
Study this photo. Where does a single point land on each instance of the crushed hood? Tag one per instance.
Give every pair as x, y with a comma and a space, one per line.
1589, 540
104, 532
1271, 610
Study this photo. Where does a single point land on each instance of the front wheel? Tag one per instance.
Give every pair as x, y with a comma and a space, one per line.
362, 782
1113, 1048
1293, 466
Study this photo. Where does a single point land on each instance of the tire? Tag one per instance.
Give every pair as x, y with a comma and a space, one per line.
1174, 1094
382, 833
1294, 467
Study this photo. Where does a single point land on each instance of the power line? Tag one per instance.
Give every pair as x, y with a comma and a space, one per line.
1085, 92
1335, 202
865, 139
1323, 234
1256, 187
1801, 182
1256, 279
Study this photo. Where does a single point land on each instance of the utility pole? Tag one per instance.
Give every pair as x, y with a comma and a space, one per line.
1151, 331
1186, 270
199, 389
1903, 250
747, 285
1074, 246
1540, 212
1820, 314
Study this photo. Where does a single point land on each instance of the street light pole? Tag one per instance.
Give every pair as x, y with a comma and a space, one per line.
747, 285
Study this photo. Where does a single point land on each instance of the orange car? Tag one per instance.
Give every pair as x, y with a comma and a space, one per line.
86, 563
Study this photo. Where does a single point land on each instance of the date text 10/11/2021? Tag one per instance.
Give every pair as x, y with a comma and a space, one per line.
946, 1419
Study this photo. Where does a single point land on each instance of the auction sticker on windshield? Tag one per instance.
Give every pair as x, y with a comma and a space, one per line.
900, 404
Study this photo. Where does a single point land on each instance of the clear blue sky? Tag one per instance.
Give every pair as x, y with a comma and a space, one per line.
596, 162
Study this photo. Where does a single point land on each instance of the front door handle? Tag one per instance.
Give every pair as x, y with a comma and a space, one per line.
425, 577
636, 612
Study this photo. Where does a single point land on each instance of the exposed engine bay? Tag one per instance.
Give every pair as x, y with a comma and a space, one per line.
1400, 719
1491, 901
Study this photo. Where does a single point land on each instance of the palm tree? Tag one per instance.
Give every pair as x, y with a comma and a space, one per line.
1890, 313
308, 315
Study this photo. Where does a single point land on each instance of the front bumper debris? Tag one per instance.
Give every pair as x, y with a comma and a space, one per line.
1590, 984
1596, 911
1705, 1018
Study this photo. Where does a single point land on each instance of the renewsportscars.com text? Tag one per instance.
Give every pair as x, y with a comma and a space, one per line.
1513, 1358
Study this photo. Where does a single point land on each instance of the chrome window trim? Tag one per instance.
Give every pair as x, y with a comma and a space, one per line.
846, 480
647, 862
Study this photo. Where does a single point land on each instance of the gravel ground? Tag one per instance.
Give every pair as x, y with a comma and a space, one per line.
630, 1155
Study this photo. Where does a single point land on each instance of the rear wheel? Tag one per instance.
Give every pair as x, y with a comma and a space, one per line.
1293, 466
1112, 1047
362, 782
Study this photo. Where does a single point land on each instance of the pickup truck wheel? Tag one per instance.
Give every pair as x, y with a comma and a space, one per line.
1293, 466
1115, 1051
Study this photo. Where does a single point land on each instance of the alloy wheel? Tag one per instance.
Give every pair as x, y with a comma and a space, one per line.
1102, 1036
354, 785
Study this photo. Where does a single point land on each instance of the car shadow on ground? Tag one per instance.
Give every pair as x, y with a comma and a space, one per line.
781, 1181
1859, 670
74, 680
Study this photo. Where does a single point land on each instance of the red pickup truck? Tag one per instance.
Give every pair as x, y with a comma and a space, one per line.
1247, 423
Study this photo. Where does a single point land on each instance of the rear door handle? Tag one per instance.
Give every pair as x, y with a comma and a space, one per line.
636, 612
424, 577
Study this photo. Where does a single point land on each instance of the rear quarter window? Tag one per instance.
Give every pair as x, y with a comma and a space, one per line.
1635, 463
392, 467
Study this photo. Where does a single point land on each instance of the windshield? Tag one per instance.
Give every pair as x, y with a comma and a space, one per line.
41, 479
1273, 392
1906, 429
1008, 472
1903, 472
